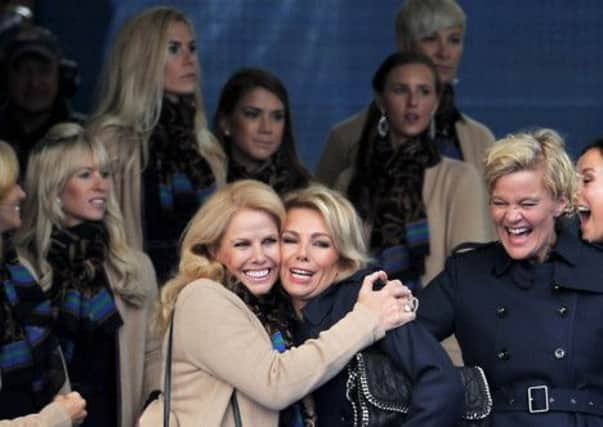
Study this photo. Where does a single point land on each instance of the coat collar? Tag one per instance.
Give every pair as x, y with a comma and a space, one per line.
576, 263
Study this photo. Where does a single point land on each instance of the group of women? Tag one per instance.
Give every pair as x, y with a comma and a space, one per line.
276, 288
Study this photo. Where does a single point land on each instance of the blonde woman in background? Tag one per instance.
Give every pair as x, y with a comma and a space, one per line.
104, 291
231, 331
25, 359
151, 117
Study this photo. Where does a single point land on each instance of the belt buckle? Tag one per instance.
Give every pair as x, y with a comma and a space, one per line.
531, 399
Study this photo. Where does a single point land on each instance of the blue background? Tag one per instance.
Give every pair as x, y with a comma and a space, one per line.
526, 63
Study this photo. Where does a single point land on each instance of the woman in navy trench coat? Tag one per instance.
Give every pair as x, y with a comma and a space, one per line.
529, 308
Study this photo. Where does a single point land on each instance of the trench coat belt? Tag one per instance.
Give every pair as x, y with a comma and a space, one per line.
542, 398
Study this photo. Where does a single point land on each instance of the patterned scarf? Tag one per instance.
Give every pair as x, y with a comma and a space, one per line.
392, 202
174, 154
80, 287
276, 172
29, 353
274, 310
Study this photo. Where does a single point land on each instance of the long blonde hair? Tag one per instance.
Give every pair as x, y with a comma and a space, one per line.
204, 234
52, 162
131, 89
9, 173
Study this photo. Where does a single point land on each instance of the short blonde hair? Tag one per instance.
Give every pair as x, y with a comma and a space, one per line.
342, 221
530, 151
419, 18
52, 162
204, 234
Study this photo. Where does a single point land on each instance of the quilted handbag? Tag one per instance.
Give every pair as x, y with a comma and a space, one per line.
380, 393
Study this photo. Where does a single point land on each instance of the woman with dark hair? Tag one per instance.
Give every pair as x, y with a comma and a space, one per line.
590, 196
253, 123
435, 28
417, 204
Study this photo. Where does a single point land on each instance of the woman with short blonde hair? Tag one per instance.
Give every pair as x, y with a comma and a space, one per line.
103, 291
151, 117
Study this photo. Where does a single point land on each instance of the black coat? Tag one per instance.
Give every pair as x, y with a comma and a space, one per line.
437, 398
527, 325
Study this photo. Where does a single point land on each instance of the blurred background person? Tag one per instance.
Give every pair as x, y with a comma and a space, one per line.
151, 117
253, 123
39, 82
102, 290
435, 28
31, 368
416, 204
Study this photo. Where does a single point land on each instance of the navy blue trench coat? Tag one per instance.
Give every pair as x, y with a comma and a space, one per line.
437, 398
536, 329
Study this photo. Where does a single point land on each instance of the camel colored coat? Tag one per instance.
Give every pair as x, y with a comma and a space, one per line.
139, 348
342, 145
52, 415
220, 346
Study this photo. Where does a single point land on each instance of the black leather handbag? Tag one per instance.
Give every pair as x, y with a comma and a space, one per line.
380, 393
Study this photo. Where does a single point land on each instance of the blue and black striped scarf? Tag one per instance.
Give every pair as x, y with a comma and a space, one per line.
29, 351
80, 288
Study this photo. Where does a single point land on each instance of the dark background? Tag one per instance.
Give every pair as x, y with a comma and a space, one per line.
526, 63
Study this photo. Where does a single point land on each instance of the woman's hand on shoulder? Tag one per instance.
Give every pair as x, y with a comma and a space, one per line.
393, 304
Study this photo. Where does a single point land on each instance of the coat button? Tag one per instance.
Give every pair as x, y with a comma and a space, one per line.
503, 354
559, 353
502, 311
556, 287
562, 311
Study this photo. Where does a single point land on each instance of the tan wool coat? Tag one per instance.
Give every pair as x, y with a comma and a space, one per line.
52, 415
139, 347
220, 346
342, 145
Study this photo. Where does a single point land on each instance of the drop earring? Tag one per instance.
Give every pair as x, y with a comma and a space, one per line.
382, 126
432, 127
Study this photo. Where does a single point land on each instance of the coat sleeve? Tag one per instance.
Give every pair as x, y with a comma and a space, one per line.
152, 357
436, 309
52, 415
220, 336
333, 159
437, 398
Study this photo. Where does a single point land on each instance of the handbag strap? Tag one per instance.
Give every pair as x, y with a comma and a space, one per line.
167, 375
235, 409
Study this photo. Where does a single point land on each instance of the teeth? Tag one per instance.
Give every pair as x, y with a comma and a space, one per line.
257, 274
518, 230
304, 273
583, 209
98, 203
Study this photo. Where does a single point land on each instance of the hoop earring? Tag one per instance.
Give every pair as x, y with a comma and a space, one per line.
382, 126
59, 202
